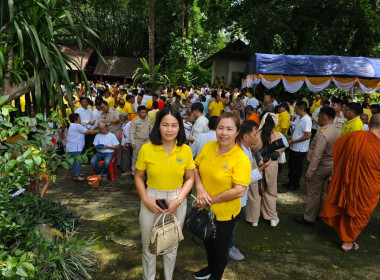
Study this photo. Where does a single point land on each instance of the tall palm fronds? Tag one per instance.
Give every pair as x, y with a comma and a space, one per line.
30, 58
143, 75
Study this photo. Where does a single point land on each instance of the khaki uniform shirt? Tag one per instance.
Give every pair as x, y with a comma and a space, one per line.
339, 121
112, 114
320, 151
140, 129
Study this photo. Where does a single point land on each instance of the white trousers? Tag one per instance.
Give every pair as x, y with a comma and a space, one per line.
147, 220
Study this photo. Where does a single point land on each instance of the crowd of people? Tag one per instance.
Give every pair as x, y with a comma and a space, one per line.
215, 139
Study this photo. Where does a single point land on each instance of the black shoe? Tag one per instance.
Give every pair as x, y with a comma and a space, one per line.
302, 221
204, 273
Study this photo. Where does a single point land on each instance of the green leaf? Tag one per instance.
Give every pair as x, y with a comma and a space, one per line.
11, 10
21, 272
3, 134
28, 265
65, 164
9, 165
37, 159
3, 99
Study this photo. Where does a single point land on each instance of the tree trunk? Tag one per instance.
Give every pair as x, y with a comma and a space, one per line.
151, 38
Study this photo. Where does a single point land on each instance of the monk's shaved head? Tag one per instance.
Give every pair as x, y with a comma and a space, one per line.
374, 123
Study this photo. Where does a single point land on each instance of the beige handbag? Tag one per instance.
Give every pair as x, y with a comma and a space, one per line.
166, 236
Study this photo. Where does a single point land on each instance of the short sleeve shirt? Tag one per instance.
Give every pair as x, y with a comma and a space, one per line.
216, 108
220, 173
75, 138
108, 139
303, 125
165, 170
352, 125
283, 121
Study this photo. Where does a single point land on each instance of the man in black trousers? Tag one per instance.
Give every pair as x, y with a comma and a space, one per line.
299, 146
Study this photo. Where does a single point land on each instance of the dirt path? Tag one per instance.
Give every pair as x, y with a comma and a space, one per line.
290, 251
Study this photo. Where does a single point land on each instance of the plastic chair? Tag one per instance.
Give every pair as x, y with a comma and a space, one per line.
112, 169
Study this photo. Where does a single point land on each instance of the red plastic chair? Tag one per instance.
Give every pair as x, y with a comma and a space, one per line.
112, 169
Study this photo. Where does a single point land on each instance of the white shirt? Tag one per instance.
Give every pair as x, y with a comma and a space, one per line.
201, 140
255, 175
145, 99
253, 102
97, 116
366, 127
200, 126
303, 125
126, 133
86, 116
195, 98
188, 126
75, 138
314, 117
108, 139
135, 106
208, 97
275, 103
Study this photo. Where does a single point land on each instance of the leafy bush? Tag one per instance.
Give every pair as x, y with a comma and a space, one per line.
24, 251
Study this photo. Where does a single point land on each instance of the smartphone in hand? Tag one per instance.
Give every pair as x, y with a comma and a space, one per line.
162, 204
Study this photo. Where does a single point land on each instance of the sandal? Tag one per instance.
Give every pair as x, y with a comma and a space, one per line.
79, 178
353, 249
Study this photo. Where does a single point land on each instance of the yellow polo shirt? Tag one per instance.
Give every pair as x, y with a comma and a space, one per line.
315, 105
165, 171
149, 104
128, 108
283, 121
220, 173
352, 125
111, 101
216, 109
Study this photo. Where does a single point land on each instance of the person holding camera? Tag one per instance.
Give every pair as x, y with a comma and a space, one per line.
222, 175
263, 194
166, 160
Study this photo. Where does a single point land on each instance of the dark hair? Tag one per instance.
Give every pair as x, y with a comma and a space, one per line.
302, 105
249, 108
98, 102
326, 102
353, 106
155, 95
155, 135
246, 127
73, 117
337, 101
328, 111
105, 102
197, 106
140, 108
203, 98
89, 101
129, 97
163, 98
155, 104
212, 122
228, 115
267, 130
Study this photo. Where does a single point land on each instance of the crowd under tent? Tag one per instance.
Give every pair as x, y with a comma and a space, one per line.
317, 71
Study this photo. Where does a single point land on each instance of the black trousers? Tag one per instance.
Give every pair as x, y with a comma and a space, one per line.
295, 167
217, 249
88, 142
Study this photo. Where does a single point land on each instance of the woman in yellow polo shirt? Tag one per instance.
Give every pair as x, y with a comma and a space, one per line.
222, 175
166, 159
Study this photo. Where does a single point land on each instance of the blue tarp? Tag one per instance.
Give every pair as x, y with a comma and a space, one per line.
314, 65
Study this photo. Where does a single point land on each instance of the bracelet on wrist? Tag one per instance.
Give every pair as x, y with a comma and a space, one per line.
179, 199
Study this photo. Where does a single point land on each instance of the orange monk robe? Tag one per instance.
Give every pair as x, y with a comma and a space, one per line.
355, 185
254, 117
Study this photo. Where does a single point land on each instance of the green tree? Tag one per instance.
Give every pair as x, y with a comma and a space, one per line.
30, 59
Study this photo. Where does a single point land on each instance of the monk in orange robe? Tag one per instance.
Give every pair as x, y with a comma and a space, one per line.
355, 185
